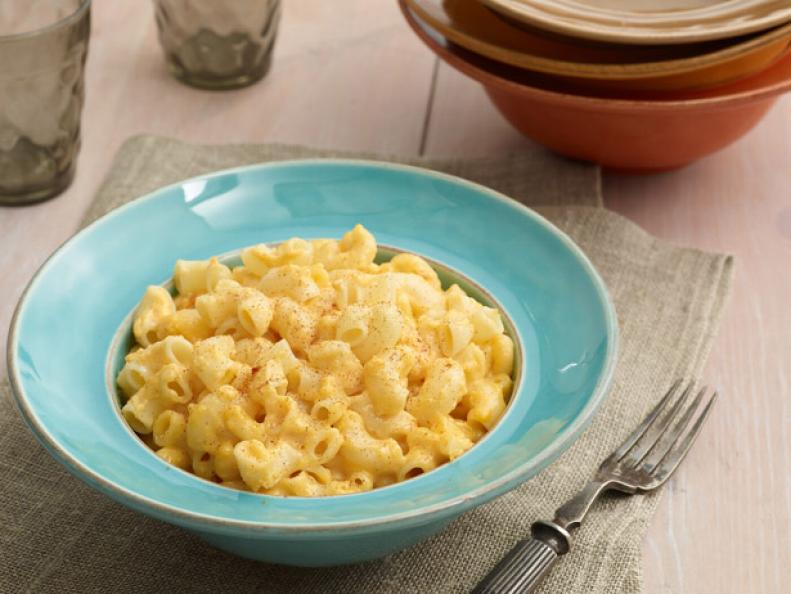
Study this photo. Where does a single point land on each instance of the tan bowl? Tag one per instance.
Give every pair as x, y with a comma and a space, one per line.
640, 135
586, 66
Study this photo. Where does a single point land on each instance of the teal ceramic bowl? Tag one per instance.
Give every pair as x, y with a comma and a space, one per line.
64, 327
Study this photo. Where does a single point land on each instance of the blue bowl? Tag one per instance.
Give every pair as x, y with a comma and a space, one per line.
61, 340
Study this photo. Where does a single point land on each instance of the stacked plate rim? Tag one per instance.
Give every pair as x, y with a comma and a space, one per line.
648, 21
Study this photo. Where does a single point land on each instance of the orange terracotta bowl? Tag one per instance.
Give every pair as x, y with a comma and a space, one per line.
632, 133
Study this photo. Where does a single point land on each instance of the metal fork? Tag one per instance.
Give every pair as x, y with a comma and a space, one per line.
642, 463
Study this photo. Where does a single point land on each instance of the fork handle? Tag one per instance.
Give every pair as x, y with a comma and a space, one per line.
527, 562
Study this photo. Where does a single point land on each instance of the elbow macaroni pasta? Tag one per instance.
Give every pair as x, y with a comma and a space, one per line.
310, 370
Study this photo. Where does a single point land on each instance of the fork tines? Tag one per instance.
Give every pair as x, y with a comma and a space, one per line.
660, 442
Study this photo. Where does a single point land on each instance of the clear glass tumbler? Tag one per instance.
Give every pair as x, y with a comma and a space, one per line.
218, 44
43, 47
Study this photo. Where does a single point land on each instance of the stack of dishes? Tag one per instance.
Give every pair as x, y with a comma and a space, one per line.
631, 84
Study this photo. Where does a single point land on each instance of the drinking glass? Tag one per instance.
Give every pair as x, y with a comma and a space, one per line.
214, 44
43, 47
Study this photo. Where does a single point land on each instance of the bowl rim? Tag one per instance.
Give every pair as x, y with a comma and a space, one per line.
75, 15
490, 79
649, 70
563, 440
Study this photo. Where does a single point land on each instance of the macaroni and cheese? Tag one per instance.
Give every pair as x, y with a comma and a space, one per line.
311, 370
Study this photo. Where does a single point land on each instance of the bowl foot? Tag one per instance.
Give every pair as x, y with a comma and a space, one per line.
312, 549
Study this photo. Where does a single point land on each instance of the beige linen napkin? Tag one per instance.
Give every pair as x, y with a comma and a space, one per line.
58, 535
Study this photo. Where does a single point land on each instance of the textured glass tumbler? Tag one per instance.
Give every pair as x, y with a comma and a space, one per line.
43, 47
213, 44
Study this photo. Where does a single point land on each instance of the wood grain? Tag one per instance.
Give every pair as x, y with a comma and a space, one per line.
462, 122
351, 75
725, 522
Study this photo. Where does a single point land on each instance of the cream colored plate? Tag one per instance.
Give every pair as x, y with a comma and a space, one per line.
647, 21
652, 13
648, 6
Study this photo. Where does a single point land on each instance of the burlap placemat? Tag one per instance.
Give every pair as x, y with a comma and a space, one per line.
57, 535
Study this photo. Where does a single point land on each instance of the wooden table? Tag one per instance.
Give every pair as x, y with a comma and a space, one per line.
350, 74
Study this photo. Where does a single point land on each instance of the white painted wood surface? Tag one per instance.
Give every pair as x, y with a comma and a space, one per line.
350, 74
